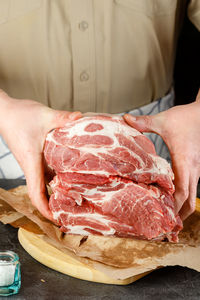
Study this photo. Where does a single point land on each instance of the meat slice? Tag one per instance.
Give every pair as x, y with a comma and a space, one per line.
112, 148
110, 181
118, 207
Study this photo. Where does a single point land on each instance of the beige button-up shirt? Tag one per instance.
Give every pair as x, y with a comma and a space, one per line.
90, 55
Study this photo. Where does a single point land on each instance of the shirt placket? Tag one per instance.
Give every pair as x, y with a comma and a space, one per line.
83, 54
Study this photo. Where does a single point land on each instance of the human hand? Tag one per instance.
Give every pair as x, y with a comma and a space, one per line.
24, 126
180, 129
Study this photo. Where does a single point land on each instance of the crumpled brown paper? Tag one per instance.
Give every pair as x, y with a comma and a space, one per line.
119, 258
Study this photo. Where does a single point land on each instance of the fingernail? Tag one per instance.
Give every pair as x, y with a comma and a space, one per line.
130, 117
75, 115
133, 118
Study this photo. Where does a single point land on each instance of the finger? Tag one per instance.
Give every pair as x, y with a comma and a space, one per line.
198, 96
34, 173
189, 206
145, 123
181, 182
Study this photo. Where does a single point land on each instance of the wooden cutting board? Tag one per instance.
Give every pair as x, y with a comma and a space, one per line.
64, 263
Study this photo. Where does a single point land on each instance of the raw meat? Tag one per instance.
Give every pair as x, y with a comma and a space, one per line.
110, 181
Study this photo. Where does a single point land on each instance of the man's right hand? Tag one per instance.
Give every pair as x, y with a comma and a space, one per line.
24, 126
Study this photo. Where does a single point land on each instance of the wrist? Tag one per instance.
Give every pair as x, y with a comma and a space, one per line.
5, 105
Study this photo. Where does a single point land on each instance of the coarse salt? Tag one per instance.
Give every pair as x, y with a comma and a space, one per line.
7, 273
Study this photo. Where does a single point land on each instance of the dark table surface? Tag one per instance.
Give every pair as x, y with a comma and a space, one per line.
167, 283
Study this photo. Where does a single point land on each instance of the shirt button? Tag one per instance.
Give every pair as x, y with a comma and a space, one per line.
83, 25
84, 76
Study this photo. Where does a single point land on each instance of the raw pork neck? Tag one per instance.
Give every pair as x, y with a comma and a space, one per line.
110, 181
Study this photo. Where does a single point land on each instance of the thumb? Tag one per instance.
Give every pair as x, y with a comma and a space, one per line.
145, 123
60, 118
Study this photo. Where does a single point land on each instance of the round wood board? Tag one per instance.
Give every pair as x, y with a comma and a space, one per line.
57, 260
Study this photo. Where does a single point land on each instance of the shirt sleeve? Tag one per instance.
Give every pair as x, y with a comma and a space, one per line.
194, 12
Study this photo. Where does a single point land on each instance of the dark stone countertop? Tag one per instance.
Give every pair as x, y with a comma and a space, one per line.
167, 283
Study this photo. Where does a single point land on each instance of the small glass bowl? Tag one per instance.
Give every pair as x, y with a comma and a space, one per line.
10, 273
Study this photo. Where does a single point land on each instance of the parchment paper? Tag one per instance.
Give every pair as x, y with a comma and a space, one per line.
119, 258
